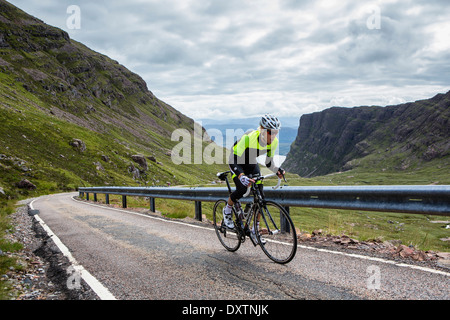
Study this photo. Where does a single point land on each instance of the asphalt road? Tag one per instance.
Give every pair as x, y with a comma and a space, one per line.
139, 256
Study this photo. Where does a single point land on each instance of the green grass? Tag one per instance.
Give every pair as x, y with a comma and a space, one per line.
411, 229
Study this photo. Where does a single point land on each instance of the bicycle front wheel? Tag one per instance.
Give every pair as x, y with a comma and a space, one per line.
276, 232
228, 237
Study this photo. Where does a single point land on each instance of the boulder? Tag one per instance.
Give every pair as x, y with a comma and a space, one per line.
304, 236
420, 256
135, 172
140, 160
26, 184
98, 166
404, 251
78, 144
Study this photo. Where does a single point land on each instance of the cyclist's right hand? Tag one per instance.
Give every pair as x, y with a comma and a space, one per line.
245, 180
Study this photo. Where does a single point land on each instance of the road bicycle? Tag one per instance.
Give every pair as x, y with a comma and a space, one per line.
266, 223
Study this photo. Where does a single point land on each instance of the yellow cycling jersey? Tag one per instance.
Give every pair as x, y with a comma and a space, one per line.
248, 148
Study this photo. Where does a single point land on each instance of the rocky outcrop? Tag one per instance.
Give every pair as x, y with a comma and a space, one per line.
331, 140
140, 160
26, 184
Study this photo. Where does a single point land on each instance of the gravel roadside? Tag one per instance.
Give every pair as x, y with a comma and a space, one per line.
44, 272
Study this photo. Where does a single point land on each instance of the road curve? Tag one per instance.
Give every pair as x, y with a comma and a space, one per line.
138, 256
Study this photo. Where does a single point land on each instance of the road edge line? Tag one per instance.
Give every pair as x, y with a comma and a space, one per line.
102, 292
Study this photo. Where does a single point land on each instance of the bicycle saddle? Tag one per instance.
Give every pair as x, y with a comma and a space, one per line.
223, 175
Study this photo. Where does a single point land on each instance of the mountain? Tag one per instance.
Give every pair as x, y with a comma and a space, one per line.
405, 137
72, 117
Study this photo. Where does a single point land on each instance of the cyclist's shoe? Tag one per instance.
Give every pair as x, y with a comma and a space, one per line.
228, 220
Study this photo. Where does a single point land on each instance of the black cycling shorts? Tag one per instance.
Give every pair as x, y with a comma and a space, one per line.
249, 169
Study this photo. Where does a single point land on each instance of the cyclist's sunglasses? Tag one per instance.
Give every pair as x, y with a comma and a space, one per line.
272, 132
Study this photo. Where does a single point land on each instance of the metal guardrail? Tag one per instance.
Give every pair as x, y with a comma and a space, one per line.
433, 200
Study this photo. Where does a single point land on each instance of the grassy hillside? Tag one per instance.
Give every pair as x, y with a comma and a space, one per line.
73, 117
54, 90
35, 145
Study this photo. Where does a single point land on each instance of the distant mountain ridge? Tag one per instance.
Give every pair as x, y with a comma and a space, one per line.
400, 137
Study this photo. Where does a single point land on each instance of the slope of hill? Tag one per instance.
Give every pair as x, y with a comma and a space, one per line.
71, 116
407, 137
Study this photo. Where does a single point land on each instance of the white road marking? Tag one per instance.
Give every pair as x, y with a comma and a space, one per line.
102, 292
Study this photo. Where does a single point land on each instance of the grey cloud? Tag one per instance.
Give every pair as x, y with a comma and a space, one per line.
304, 54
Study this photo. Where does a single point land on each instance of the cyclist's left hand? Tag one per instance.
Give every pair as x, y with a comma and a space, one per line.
246, 181
281, 173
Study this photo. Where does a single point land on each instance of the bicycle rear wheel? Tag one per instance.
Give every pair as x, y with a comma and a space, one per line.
228, 237
276, 232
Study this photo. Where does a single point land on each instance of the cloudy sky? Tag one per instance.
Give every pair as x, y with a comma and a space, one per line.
216, 59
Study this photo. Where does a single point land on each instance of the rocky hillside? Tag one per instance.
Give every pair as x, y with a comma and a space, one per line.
71, 116
404, 137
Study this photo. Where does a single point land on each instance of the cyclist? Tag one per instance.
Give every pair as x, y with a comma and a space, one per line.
242, 160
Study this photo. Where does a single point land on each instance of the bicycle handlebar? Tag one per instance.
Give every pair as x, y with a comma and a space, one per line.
262, 178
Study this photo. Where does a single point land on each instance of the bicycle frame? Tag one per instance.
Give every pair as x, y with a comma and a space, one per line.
280, 245
258, 201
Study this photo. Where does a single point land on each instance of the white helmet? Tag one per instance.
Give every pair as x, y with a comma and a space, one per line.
270, 122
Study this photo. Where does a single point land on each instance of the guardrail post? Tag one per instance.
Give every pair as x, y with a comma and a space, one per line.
152, 205
283, 223
124, 201
198, 210
95, 197
107, 198
87, 196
